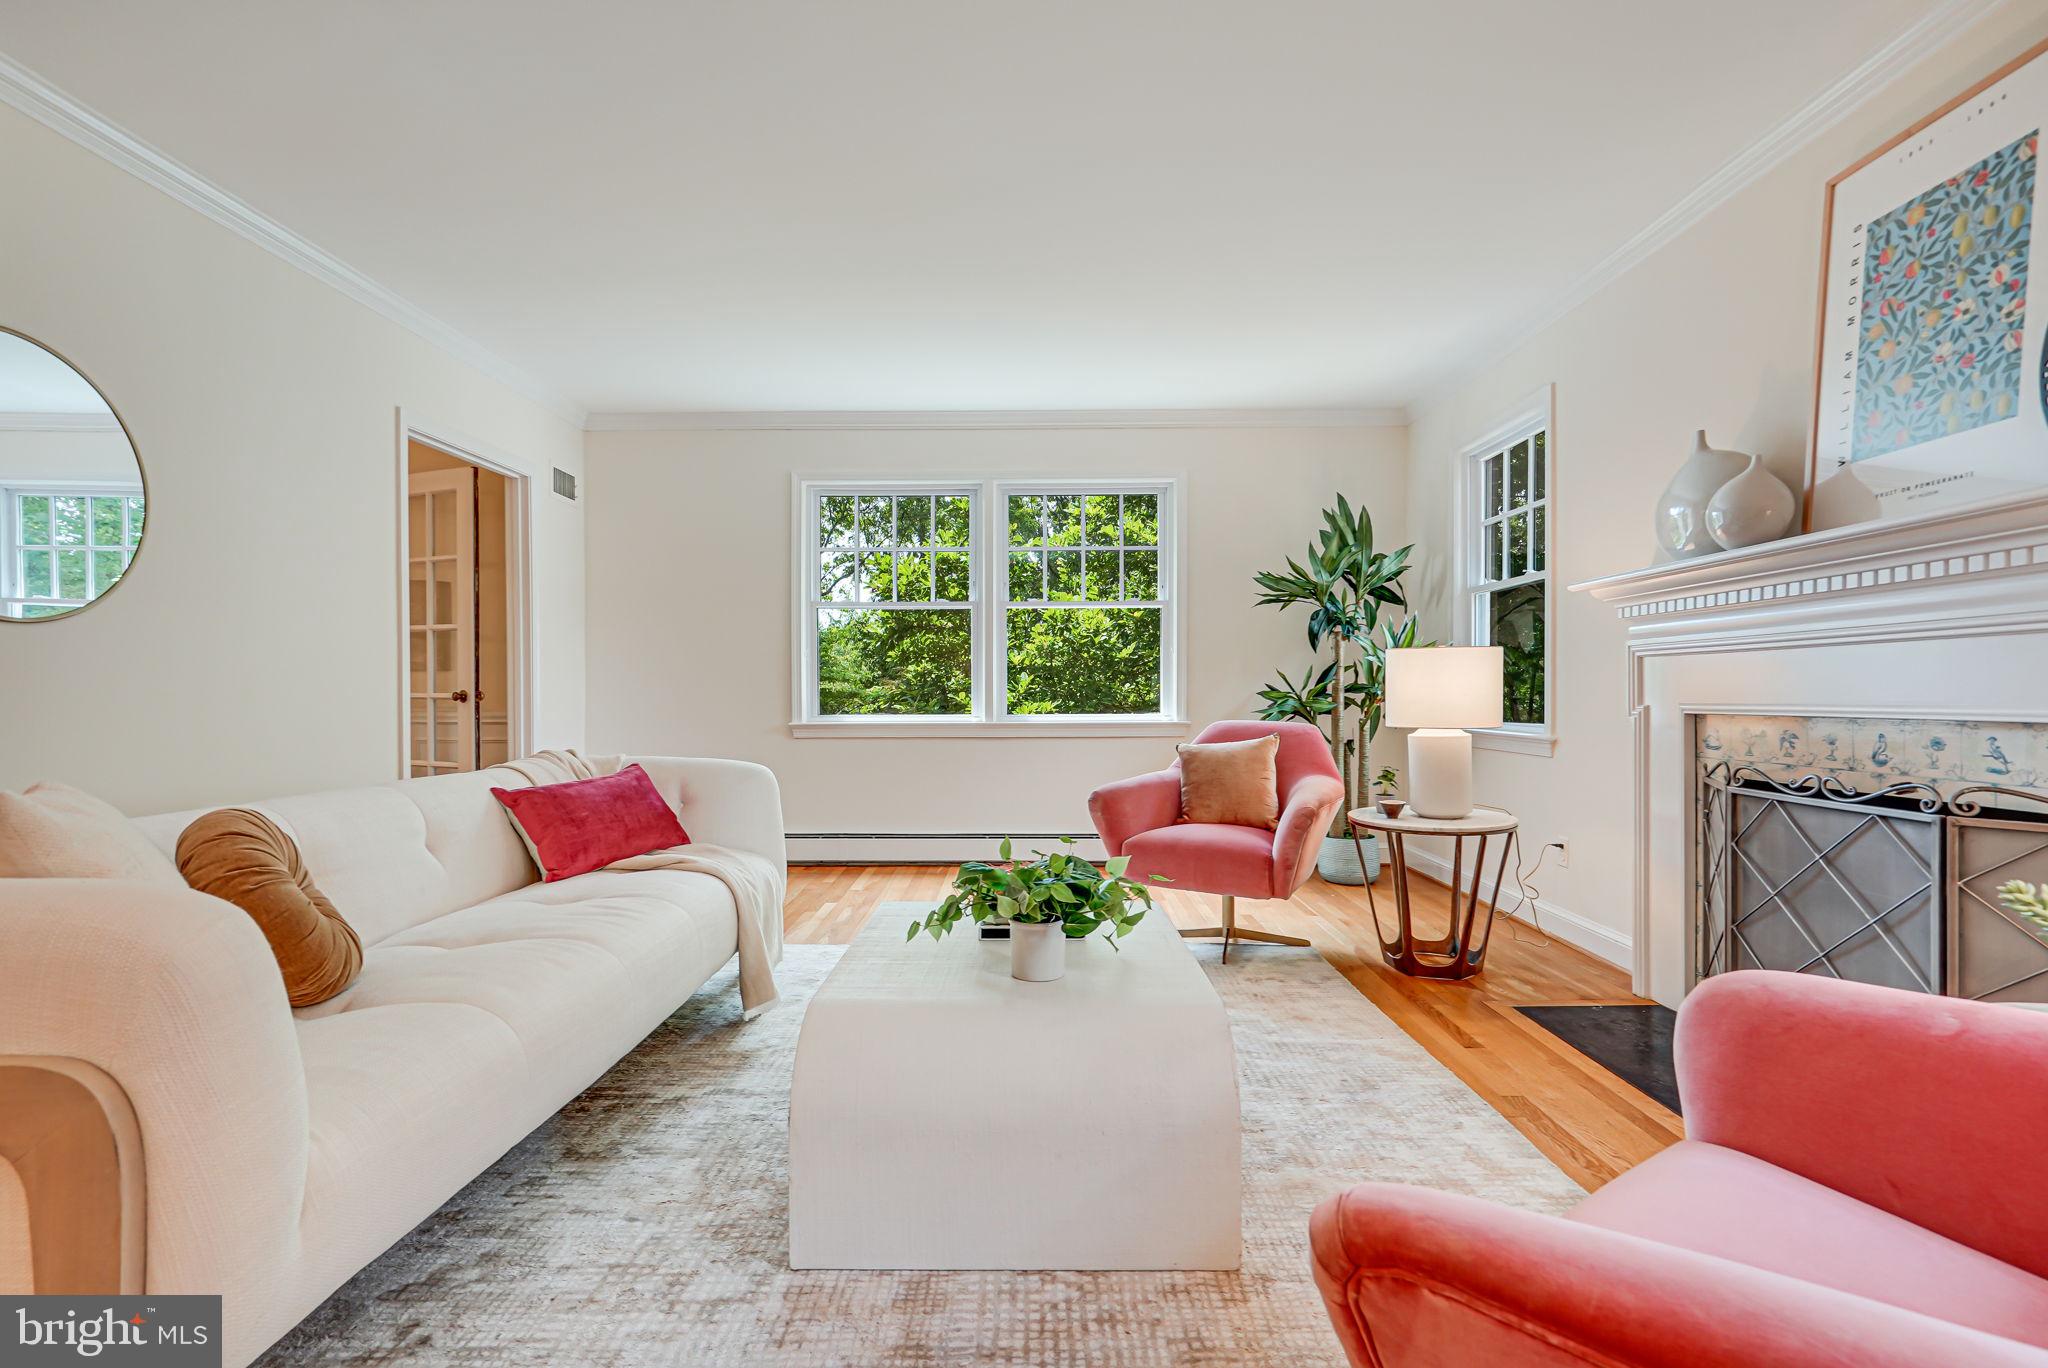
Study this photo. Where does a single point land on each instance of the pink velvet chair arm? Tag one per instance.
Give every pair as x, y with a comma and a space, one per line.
1419, 1279
1930, 1108
1130, 807
1304, 818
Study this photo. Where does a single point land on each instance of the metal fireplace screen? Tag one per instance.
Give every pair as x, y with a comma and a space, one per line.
1992, 951
1898, 887
1821, 884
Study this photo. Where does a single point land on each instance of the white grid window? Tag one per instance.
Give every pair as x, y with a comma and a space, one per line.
1083, 588
1508, 575
61, 548
892, 603
898, 580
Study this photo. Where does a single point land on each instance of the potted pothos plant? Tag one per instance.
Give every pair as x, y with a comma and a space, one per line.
1049, 901
1352, 591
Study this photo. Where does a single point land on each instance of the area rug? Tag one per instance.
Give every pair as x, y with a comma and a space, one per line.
645, 1223
1631, 1041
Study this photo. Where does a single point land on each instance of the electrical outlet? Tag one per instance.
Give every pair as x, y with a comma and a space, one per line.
1564, 854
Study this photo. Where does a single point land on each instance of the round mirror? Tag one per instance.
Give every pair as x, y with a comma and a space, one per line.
71, 494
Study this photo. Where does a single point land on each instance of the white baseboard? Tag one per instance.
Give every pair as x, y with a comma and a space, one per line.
928, 847
1602, 942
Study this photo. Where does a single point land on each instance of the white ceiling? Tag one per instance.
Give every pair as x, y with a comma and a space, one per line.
787, 205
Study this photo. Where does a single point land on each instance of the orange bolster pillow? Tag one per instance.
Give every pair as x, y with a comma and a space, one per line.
244, 857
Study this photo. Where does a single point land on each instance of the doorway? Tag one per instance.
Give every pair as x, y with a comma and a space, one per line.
460, 705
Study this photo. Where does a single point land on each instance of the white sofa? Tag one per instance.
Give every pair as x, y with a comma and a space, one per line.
282, 1150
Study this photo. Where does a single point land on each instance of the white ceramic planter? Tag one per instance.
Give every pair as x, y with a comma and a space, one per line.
1038, 953
1338, 863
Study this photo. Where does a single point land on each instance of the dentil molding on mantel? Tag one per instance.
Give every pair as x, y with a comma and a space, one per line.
1975, 542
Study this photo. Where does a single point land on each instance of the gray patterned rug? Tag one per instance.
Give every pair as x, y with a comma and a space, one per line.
644, 1224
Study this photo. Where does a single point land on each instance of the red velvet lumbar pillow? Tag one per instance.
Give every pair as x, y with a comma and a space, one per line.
573, 828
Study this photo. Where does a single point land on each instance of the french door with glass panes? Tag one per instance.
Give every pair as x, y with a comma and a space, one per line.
441, 623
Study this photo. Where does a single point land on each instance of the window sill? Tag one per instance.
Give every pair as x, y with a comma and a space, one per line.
1515, 742
973, 728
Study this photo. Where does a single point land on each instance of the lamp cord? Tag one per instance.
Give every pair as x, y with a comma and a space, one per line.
1526, 895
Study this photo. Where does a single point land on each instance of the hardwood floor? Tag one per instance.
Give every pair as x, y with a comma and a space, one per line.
1590, 1123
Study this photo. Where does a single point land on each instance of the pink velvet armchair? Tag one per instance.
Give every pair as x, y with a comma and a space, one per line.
1860, 1188
1141, 818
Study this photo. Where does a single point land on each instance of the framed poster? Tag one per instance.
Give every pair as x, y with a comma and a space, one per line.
1929, 385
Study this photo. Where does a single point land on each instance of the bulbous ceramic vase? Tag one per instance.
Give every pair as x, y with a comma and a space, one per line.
1682, 512
1752, 508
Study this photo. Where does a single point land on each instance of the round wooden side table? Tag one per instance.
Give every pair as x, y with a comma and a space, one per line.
1461, 953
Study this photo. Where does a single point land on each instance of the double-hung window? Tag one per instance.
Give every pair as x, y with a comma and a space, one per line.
893, 607
1084, 620
1509, 594
62, 547
1017, 606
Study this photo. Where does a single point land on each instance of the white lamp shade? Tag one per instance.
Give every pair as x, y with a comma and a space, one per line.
1444, 686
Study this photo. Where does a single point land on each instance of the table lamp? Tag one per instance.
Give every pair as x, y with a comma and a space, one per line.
1439, 691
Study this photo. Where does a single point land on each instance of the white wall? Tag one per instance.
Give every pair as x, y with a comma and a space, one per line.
253, 648
690, 564
1715, 330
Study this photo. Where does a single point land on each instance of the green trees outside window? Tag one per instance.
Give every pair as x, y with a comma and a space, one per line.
1077, 583
1074, 562
1511, 575
69, 545
902, 644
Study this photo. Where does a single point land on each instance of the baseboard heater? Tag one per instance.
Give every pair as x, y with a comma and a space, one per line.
927, 847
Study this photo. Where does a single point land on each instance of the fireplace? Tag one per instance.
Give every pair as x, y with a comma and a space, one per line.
1888, 876
1837, 838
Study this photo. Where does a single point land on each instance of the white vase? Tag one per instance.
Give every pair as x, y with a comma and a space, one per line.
1753, 508
1038, 951
1338, 863
1682, 511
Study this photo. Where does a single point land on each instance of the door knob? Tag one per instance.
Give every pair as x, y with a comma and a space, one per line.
460, 695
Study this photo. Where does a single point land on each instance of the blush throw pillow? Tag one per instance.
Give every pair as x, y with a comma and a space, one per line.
1231, 782
573, 828
242, 856
54, 831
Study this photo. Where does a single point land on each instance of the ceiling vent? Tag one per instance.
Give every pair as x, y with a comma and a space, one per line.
565, 484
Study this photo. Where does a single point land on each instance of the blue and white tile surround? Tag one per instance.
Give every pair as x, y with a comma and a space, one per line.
1869, 753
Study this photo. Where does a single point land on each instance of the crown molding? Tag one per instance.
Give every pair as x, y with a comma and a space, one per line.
1934, 30
826, 420
29, 93
58, 422
51, 107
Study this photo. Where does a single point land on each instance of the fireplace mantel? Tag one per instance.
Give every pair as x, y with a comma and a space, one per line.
1982, 556
1944, 616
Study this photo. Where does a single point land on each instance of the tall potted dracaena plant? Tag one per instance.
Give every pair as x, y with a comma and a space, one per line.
1347, 585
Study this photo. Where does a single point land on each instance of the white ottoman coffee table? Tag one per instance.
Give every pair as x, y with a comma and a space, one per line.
945, 1115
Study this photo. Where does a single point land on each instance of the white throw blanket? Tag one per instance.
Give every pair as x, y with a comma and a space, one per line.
752, 879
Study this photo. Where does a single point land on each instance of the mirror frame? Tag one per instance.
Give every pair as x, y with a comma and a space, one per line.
141, 471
